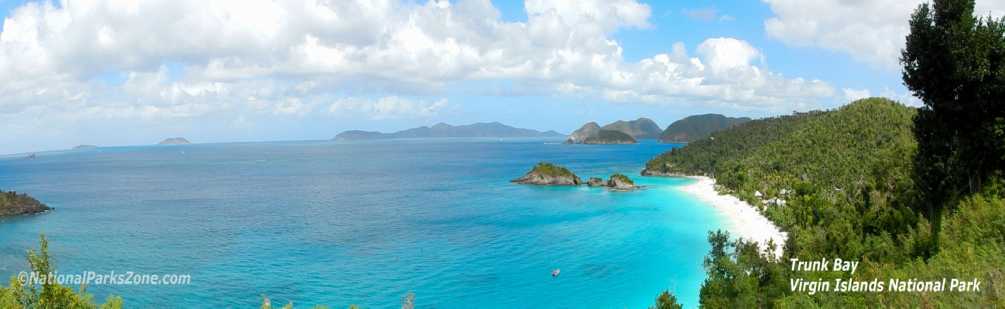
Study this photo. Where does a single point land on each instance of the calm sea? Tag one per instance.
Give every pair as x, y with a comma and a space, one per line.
362, 223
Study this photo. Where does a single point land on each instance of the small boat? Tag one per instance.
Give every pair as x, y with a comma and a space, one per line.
554, 273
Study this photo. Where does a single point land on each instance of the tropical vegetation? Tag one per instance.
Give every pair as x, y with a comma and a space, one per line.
610, 137
910, 193
47, 294
697, 127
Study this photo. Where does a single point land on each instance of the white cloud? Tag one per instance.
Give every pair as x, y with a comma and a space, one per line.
871, 31
703, 14
171, 59
390, 107
707, 15
903, 97
855, 94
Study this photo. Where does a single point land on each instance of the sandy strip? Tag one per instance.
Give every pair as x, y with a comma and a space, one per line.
743, 220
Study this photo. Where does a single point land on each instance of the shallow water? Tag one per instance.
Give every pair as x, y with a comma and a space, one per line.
363, 223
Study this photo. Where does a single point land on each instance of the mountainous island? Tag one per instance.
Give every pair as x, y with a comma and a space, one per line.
642, 128
697, 127
618, 132
174, 141
481, 129
78, 147
15, 204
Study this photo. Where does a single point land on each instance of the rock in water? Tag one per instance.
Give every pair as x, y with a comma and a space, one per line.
595, 182
549, 174
621, 182
14, 204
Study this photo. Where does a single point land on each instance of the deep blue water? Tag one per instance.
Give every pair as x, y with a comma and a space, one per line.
364, 223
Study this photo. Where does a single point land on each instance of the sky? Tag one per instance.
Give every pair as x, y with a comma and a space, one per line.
123, 72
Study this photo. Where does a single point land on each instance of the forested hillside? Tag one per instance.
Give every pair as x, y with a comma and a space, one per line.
845, 177
697, 127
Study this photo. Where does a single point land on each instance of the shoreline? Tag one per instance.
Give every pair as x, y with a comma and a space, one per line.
742, 219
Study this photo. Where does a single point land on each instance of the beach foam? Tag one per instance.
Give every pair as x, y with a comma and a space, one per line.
743, 220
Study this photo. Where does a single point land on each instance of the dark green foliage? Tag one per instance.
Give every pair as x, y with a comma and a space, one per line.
701, 157
855, 149
955, 62
846, 177
14, 204
48, 295
697, 127
610, 137
666, 300
739, 276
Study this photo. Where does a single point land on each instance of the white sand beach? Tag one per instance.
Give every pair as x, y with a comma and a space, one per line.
743, 220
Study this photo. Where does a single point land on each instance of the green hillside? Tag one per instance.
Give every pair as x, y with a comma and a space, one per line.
845, 177
697, 127
610, 137
843, 147
638, 129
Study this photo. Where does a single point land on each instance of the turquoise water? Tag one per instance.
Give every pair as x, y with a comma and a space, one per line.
363, 223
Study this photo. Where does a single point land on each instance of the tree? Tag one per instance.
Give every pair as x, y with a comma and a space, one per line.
52, 294
955, 63
666, 300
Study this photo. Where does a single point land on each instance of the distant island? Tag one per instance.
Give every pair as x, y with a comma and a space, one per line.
697, 127
174, 141
642, 128
609, 137
548, 174
618, 132
14, 204
84, 147
481, 129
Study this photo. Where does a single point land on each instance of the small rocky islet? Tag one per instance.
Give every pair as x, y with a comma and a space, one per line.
548, 174
19, 204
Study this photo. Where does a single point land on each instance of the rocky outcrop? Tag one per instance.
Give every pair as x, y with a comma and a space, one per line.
621, 183
549, 174
174, 141
14, 204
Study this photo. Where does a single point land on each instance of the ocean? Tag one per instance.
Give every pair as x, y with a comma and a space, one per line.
339, 223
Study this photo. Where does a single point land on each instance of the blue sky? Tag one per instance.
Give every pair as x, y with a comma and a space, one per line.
126, 73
